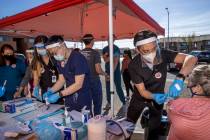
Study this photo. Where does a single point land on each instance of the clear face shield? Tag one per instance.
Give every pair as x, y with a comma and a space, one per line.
58, 50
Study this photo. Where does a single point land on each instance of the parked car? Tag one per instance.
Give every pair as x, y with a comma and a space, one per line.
203, 56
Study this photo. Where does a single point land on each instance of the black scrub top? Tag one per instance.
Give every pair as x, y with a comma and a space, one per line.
154, 80
47, 74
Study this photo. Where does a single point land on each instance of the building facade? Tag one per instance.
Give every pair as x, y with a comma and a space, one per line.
20, 44
186, 44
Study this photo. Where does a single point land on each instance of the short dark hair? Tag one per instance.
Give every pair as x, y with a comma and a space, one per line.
87, 39
128, 52
55, 39
6, 46
41, 39
3, 47
143, 35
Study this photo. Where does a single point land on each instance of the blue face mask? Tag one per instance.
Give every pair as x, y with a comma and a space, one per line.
42, 52
59, 57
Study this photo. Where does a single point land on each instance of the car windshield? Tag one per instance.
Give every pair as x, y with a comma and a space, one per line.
195, 53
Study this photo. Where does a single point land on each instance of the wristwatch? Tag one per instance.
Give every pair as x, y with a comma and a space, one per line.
180, 76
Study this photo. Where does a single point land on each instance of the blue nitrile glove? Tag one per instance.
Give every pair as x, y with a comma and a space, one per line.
36, 93
48, 93
2, 91
53, 98
176, 88
159, 98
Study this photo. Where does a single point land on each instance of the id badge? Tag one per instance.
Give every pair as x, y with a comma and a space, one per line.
54, 79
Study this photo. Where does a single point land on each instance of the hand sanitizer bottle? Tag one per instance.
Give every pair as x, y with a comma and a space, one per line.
67, 117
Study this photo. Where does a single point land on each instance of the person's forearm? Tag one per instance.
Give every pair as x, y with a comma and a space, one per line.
20, 89
58, 85
36, 82
35, 78
146, 94
188, 65
26, 78
71, 89
99, 70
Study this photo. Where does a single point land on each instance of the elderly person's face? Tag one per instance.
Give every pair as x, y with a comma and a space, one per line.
197, 89
199, 81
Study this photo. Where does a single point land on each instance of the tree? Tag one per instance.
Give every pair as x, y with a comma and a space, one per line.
190, 40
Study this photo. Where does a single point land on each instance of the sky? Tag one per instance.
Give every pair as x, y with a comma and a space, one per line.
187, 17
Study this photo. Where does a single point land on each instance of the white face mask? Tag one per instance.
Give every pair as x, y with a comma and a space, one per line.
60, 54
150, 57
42, 52
59, 57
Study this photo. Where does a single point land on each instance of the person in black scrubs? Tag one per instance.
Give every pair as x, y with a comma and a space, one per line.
148, 71
45, 73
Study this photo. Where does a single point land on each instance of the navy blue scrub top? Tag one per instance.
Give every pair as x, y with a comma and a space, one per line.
13, 74
76, 65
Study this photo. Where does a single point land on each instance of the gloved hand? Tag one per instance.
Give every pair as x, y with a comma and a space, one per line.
48, 93
159, 98
176, 88
53, 98
2, 91
36, 93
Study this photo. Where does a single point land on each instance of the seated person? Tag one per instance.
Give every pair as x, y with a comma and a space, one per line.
190, 117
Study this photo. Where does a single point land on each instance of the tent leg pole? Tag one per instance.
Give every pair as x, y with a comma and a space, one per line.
111, 55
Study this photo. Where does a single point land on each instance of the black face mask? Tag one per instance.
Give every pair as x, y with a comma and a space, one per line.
10, 58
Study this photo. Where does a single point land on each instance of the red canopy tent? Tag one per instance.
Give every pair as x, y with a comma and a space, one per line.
73, 18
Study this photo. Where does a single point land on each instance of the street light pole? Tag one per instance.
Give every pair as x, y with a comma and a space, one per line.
168, 28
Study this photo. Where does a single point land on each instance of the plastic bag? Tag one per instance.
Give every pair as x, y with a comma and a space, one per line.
46, 130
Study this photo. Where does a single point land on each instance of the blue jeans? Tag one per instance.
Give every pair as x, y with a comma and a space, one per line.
117, 82
96, 95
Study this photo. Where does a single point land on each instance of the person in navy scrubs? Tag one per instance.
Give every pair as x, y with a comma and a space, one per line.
74, 72
12, 70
